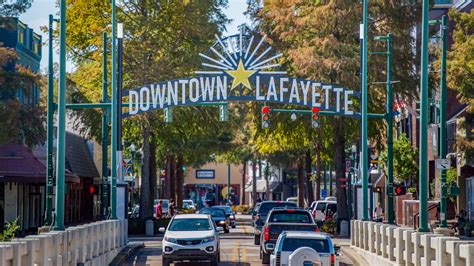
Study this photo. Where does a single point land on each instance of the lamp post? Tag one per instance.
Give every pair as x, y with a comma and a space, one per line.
113, 143
364, 117
423, 161
132, 152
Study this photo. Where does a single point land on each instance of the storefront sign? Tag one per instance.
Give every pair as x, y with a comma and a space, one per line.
208, 174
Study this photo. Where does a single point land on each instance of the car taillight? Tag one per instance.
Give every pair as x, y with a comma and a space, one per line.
316, 230
266, 234
332, 259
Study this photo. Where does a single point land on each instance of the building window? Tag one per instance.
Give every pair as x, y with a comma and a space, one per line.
21, 37
36, 48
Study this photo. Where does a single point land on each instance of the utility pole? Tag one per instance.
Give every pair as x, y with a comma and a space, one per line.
228, 184
50, 128
61, 139
364, 124
330, 179
423, 162
389, 118
113, 165
442, 118
105, 131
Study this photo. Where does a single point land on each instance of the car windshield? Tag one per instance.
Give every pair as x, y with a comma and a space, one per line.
214, 212
290, 217
268, 206
195, 224
292, 244
321, 206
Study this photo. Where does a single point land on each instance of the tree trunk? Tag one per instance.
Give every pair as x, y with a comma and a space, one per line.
179, 181
339, 164
301, 181
244, 179
167, 187
172, 179
254, 182
267, 181
318, 171
309, 175
153, 169
146, 204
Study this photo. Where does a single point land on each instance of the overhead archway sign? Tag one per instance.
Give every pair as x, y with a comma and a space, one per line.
240, 68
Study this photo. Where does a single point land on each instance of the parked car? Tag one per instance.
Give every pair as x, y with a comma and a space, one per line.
261, 215
165, 205
290, 243
280, 220
229, 212
193, 237
322, 206
189, 205
219, 216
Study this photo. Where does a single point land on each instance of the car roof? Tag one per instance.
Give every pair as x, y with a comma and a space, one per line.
191, 216
304, 234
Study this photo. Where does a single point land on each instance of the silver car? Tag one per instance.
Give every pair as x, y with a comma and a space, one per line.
191, 237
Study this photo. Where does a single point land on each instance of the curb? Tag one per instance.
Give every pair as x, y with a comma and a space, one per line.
352, 255
125, 253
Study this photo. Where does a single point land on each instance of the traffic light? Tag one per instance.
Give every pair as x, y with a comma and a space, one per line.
265, 117
399, 189
315, 117
93, 189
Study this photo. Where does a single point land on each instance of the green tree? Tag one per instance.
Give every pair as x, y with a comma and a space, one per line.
320, 41
405, 160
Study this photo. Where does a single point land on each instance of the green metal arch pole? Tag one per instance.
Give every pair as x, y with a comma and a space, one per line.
364, 133
330, 179
442, 133
60, 147
325, 179
113, 142
105, 130
50, 128
423, 162
228, 184
391, 211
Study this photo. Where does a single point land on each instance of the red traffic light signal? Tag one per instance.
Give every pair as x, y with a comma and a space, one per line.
315, 117
91, 189
265, 117
266, 109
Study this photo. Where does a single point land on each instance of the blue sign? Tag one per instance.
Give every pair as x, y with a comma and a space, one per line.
324, 193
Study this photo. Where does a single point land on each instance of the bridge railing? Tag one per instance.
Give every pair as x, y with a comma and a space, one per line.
91, 244
387, 244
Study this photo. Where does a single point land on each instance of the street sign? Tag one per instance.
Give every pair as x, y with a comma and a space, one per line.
324, 193
443, 164
348, 165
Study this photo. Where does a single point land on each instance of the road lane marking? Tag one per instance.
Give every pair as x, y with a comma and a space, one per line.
234, 251
244, 254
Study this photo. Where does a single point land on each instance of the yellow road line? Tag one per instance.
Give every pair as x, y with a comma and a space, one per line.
235, 251
245, 229
244, 254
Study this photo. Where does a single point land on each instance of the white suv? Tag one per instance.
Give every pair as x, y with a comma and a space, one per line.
191, 237
298, 248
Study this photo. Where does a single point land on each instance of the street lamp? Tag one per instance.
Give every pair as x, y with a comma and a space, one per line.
132, 151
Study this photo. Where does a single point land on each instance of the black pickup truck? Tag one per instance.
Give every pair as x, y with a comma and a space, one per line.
280, 220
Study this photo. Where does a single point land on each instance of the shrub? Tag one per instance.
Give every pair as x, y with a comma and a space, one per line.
240, 208
10, 231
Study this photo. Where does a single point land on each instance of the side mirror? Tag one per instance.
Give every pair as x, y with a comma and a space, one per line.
220, 229
259, 222
337, 249
161, 229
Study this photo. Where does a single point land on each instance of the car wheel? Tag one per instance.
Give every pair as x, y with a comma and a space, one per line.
166, 262
265, 258
233, 226
256, 240
226, 230
215, 261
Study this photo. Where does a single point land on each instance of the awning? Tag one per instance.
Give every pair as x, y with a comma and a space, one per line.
262, 186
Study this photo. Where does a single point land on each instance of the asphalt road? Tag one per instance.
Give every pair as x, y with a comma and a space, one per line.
237, 248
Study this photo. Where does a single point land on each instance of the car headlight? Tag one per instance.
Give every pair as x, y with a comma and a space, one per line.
208, 239
222, 222
171, 240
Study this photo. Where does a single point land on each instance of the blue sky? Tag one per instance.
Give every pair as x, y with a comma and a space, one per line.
37, 16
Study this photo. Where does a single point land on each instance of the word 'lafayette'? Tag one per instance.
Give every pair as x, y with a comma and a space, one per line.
216, 88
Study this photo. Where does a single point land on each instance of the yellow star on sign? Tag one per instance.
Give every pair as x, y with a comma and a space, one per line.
240, 75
